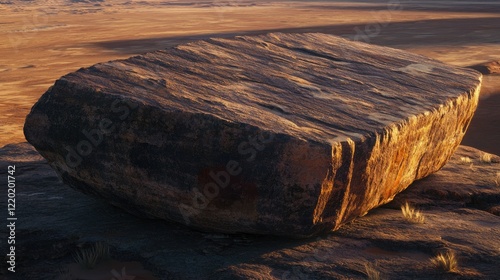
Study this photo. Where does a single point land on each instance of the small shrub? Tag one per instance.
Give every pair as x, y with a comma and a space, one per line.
486, 158
371, 272
90, 257
472, 167
412, 215
465, 160
446, 262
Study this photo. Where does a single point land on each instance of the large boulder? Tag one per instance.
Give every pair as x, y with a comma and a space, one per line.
286, 134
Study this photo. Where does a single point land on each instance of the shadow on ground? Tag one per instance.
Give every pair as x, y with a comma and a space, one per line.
414, 33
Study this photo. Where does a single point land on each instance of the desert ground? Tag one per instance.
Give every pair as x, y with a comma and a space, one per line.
44, 40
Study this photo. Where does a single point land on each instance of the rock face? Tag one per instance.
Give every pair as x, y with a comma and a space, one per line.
287, 134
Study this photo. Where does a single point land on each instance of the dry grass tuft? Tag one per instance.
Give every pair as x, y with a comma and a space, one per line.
465, 160
372, 272
412, 215
90, 257
497, 179
446, 262
486, 158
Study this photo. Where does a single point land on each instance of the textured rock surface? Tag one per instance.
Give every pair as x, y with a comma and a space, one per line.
289, 134
487, 68
458, 202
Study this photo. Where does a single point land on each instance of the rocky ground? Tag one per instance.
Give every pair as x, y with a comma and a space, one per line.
461, 205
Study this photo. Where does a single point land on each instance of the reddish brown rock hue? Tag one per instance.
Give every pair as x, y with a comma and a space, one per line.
487, 68
286, 134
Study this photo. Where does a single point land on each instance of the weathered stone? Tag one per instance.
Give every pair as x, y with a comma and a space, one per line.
487, 68
287, 134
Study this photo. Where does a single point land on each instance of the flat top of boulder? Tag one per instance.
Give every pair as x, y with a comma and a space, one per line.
314, 86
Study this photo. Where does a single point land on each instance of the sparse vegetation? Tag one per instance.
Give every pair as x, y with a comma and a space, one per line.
472, 167
90, 257
412, 215
446, 262
371, 272
465, 160
486, 157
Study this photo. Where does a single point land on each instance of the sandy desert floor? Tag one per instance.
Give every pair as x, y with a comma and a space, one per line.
47, 39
